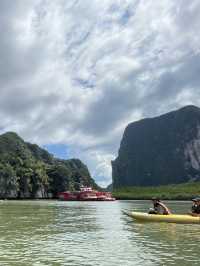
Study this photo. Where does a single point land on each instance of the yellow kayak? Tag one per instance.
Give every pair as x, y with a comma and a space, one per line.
171, 218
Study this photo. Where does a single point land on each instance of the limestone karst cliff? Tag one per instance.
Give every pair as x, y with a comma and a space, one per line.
161, 150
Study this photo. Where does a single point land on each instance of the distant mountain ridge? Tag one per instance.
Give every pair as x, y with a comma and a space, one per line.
28, 171
159, 151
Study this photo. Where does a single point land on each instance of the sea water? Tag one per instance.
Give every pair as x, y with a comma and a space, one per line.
55, 233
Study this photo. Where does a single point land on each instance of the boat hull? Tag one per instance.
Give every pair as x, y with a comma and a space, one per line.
87, 195
171, 218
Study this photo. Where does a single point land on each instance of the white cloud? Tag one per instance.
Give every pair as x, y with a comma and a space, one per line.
77, 72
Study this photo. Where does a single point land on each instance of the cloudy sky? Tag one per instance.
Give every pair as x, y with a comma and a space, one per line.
74, 73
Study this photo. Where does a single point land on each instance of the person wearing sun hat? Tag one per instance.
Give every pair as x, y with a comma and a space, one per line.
158, 207
196, 207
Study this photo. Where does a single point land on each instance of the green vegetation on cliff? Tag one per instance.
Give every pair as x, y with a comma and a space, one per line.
27, 171
185, 191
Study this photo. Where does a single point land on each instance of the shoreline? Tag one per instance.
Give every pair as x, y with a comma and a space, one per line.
26, 199
117, 199
147, 199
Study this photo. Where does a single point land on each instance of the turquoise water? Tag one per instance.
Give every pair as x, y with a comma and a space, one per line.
92, 233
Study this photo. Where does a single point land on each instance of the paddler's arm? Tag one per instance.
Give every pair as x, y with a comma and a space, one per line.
165, 209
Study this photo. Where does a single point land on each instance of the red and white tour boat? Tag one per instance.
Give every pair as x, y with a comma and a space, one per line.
86, 194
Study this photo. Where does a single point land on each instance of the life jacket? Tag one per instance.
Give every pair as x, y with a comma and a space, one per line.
196, 209
157, 208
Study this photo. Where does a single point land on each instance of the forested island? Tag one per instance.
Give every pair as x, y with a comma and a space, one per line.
28, 171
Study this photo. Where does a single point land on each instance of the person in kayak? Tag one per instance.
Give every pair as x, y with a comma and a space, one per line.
195, 207
159, 207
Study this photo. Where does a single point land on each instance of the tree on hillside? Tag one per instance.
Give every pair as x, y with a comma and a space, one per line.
8, 181
59, 179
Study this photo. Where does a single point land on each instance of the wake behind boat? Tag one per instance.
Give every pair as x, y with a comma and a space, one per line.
171, 218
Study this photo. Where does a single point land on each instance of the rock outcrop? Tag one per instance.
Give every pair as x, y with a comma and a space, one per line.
159, 151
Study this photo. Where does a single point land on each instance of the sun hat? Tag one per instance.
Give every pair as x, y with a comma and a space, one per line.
155, 198
196, 199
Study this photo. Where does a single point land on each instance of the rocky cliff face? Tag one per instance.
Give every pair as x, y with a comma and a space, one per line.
161, 150
27, 171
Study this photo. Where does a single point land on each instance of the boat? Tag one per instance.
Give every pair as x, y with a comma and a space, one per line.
170, 218
85, 194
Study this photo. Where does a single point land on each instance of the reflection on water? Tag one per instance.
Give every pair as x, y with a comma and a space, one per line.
92, 233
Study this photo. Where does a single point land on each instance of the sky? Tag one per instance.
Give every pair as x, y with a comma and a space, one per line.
74, 73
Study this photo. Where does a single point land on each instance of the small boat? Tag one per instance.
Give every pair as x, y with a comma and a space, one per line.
85, 194
170, 218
